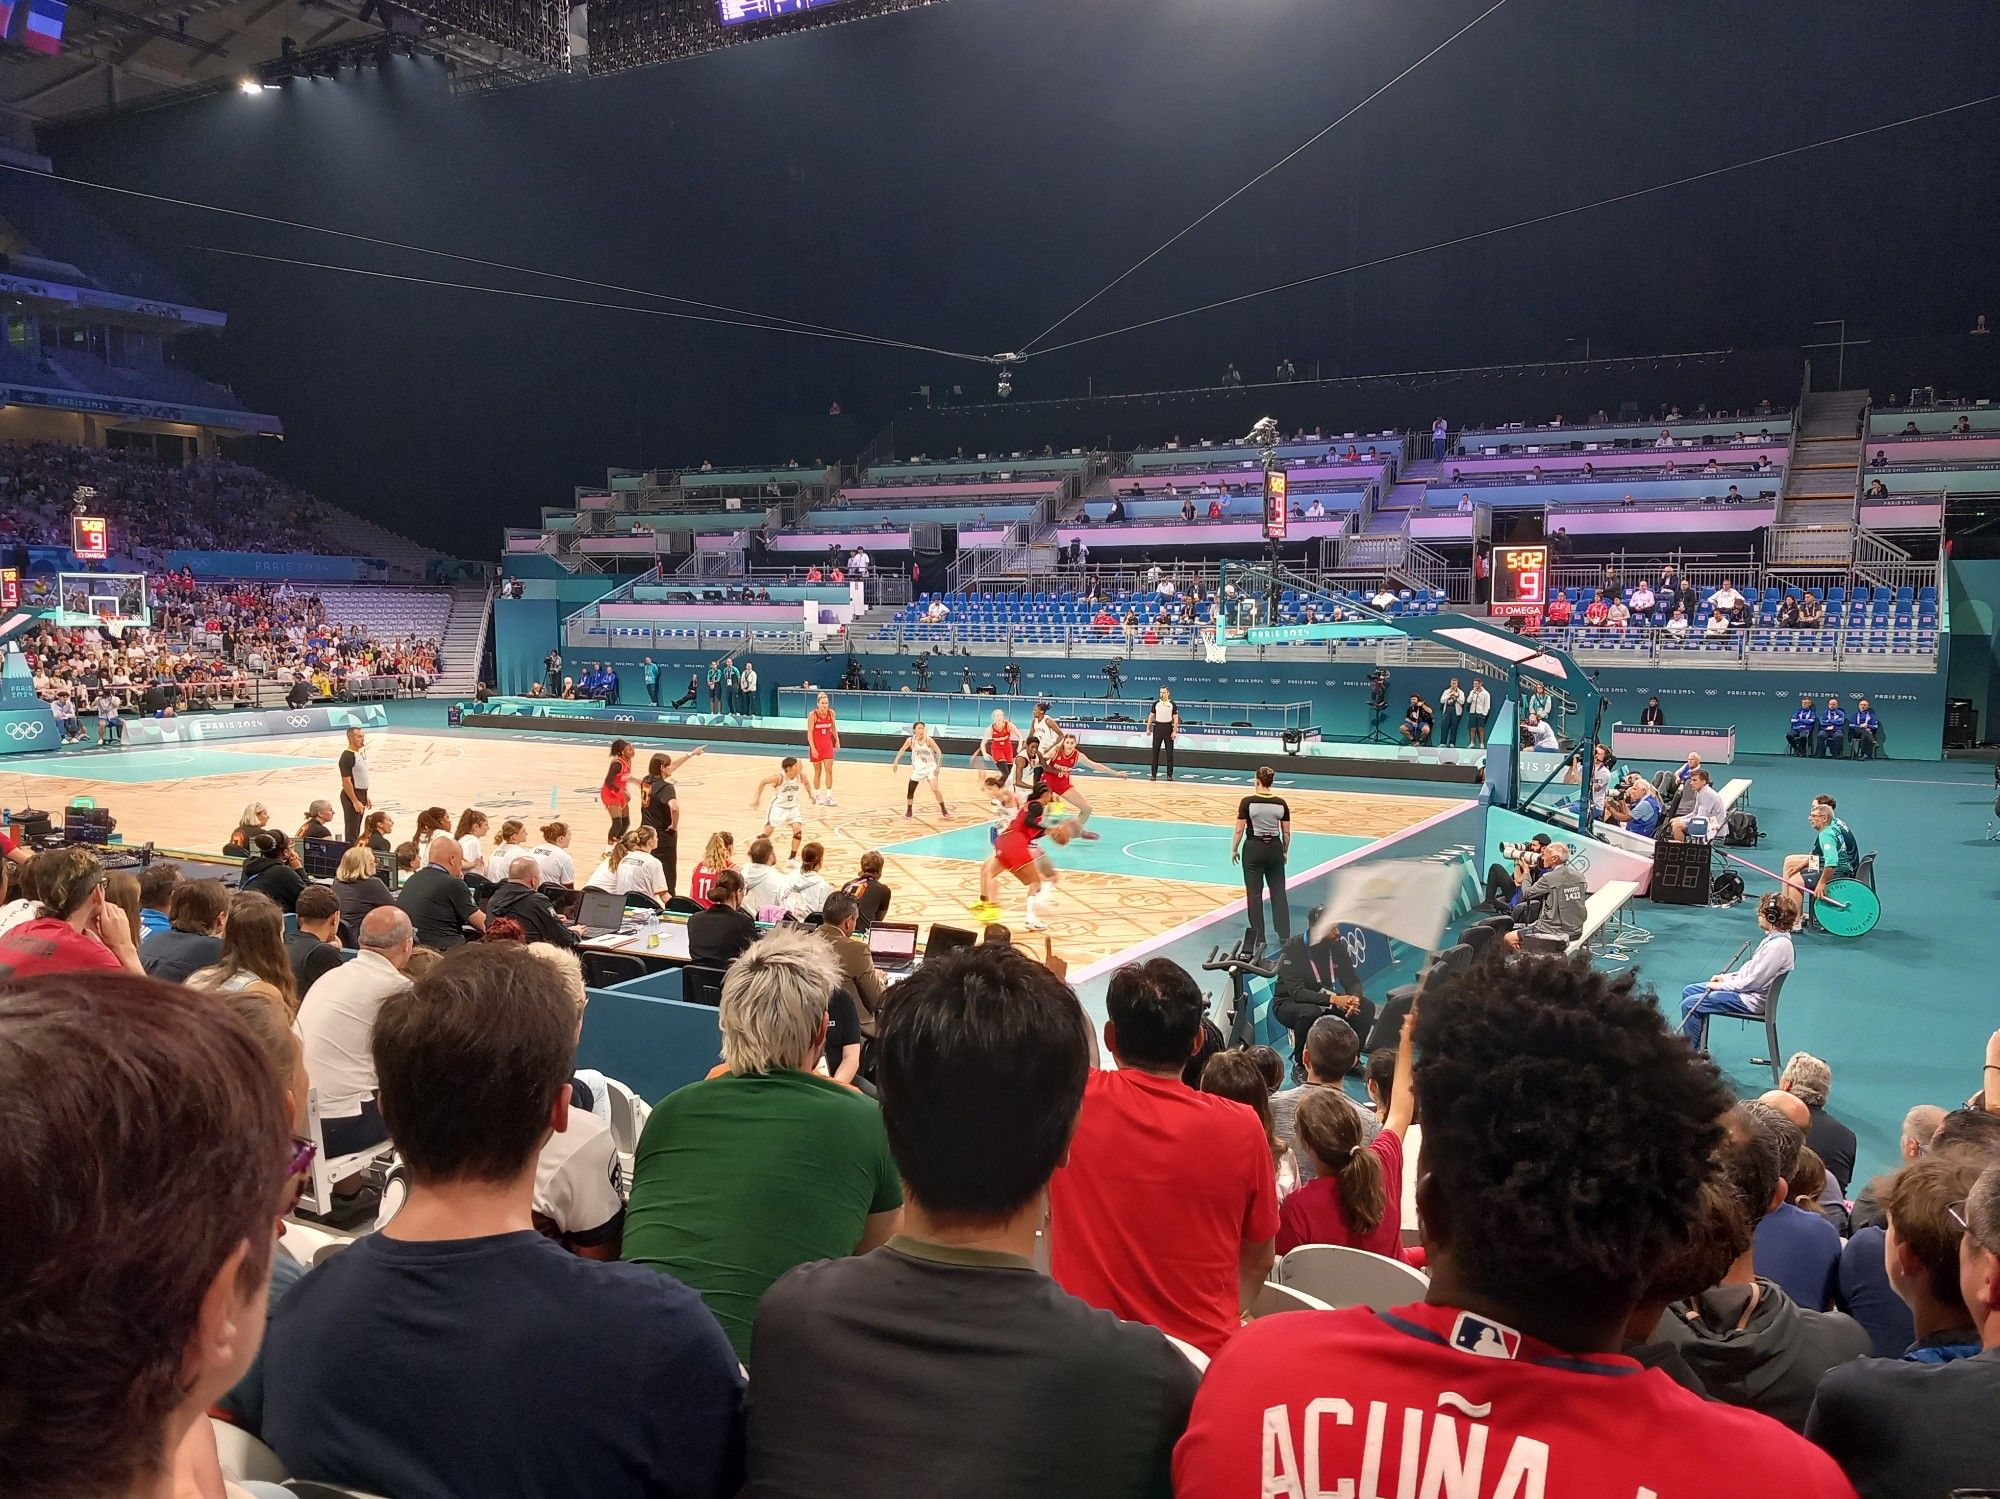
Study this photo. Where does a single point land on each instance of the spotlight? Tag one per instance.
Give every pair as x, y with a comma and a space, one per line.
251, 86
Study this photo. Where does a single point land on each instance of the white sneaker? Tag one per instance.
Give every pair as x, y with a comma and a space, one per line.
829, 802
1035, 924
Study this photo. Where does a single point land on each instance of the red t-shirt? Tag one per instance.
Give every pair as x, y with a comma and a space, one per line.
1164, 1187
1381, 1403
1314, 1214
50, 945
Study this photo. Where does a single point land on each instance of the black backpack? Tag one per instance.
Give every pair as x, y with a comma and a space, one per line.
1742, 831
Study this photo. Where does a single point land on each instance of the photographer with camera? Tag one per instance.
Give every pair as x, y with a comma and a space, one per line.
1417, 721
1503, 890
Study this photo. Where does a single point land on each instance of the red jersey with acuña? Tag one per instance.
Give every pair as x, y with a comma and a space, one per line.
1433, 1401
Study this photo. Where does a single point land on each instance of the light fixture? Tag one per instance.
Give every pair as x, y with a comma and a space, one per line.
251, 86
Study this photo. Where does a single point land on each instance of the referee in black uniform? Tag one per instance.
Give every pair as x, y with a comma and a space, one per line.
1166, 724
1263, 839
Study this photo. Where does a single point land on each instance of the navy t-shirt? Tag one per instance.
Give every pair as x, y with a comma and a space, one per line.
1801, 1252
501, 1368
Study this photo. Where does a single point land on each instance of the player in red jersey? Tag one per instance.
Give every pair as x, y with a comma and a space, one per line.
1062, 767
1014, 852
1569, 1140
1000, 744
822, 744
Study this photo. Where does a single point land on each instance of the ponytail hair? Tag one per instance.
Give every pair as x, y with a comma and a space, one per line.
1330, 1127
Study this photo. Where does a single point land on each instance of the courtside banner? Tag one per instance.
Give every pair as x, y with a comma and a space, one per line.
200, 728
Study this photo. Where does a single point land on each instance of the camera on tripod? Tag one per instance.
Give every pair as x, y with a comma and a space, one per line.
1378, 690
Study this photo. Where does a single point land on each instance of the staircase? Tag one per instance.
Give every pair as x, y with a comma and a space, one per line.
347, 532
1823, 478
463, 644
1393, 510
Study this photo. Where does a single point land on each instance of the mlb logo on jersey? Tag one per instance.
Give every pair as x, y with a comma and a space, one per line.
1470, 1334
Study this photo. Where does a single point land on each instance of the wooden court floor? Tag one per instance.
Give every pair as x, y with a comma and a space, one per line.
196, 798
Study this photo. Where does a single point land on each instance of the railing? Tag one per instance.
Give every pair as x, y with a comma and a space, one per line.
1712, 572
1423, 565
1856, 646
604, 635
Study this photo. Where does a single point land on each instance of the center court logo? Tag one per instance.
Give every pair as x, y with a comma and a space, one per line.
24, 731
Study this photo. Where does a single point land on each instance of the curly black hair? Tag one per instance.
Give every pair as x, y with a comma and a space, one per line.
1567, 1133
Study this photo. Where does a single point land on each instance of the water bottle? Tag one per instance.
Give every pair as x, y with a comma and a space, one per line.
653, 932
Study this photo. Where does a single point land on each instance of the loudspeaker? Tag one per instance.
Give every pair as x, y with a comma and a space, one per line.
1680, 873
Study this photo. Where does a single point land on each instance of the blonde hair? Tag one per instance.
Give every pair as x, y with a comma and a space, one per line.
1330, 1127
513, 830
570, 966
774, 1001
356, 864
720, 847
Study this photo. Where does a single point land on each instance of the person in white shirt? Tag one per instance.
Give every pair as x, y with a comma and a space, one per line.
1664, 440
763, 881
605, 875
1677, 624
1384, 597
337, 1024
1451, 709
805, 893
552, 854
1704, 804
1316, 510
510, 847
857, 564
1725, 599
1642, 599
1618, 616
1540, 735
1717, 626
746, 686
471, 834
1478, 708
639, 870
1743, 991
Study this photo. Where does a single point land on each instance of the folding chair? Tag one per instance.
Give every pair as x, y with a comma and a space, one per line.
1342, 1276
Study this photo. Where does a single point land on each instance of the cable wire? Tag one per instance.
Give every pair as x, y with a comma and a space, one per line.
1543, 218
541, 296
770, 318
1282, 161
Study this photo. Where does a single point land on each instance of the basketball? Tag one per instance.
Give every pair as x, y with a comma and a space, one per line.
1062, 832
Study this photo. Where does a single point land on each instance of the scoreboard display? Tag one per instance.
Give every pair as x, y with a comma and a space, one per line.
10, 587
1520, 581
89, 537
1277, 504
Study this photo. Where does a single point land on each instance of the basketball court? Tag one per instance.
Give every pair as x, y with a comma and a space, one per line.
1162, 858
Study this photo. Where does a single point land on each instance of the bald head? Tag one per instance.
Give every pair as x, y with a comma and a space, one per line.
1789, 1104
386, 932
444, 852
525, 871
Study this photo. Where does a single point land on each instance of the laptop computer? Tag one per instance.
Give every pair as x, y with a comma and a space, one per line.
601, 913
893, 945
944, 939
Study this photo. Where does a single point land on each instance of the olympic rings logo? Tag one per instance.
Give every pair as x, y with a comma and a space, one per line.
24, 731
300, 720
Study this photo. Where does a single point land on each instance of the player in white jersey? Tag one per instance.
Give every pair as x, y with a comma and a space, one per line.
787, 805
925, 757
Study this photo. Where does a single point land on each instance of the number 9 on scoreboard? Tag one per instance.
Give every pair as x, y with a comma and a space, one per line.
1524, 575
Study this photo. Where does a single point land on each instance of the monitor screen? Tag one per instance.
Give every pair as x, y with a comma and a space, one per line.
321, 857
944, 939
735, 12
892, 942
87, 825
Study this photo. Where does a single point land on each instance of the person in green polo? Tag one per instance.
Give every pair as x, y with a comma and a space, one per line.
767, 1164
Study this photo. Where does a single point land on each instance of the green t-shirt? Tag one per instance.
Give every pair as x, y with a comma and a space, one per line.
1836, 847
738, 1179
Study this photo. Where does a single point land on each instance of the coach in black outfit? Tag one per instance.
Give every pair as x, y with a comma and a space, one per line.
1263, 839
1166, 726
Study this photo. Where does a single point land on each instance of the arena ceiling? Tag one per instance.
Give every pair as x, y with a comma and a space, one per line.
121, 56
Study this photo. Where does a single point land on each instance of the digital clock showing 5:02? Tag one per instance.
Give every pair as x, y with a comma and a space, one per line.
1524, 575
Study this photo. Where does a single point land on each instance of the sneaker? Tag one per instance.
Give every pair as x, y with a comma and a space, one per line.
1035, 924
908, 810
943, 811
1087, 835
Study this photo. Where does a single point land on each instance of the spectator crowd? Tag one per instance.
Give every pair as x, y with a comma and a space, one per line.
910, 1237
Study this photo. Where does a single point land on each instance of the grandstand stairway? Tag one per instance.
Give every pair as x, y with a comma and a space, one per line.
464, 642
1823, 479
1392, 511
